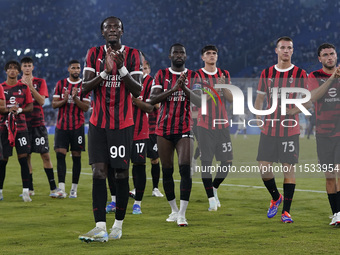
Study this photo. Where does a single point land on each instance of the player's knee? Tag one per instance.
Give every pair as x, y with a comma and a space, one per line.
76, 153
184, 160
121, 173
46, 157
22, 156
155, 161
99, 171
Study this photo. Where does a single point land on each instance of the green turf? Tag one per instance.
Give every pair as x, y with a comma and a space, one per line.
240, 226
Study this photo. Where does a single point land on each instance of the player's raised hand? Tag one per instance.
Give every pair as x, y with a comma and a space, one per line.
179, 82
28, 82
118, 58
221, 80
109, 60
66, 94
337, 72
259, 122
182, 79
292, 111
74, 92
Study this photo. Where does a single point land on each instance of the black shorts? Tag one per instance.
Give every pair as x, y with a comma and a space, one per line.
38, 139
278, 149
66, 138
22, 145
328, 149
138, 154
216, 143
110, 146
176, 137
151, 147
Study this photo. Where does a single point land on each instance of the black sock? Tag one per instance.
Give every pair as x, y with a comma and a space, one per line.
99, 198
197, 153
288, 191
332, 198
155, 173
76, 169
168, 183
140, 181
338, 201
30, 185
25, 172
134, 176
222, 174
50, 178
271, 187
186, 182
61, 167
3, 164
122, 197
207, 178
111, 181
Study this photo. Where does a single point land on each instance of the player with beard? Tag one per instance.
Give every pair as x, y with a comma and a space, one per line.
113, 71
38, 136
280, 143
69, 132
13, 127
324, 85
172, 89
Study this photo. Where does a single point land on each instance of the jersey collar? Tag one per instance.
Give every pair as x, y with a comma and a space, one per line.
177, 73
121, 49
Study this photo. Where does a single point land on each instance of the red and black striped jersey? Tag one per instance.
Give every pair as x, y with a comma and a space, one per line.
112, 106
327, 108
36, 117
17, 95
70, 116
174, 116
2, 94
214, 111
152, 117
140, 118
276, 124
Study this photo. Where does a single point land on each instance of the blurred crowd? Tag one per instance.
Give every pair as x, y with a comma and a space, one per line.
54, 32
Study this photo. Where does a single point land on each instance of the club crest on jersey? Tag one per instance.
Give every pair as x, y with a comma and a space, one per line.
291, 79
19, 92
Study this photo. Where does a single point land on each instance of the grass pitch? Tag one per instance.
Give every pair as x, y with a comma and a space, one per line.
240, 226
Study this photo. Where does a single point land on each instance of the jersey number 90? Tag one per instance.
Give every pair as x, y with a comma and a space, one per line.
117, 151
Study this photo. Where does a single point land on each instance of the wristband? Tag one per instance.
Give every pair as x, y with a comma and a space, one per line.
103, 75
19, 110
123, 71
